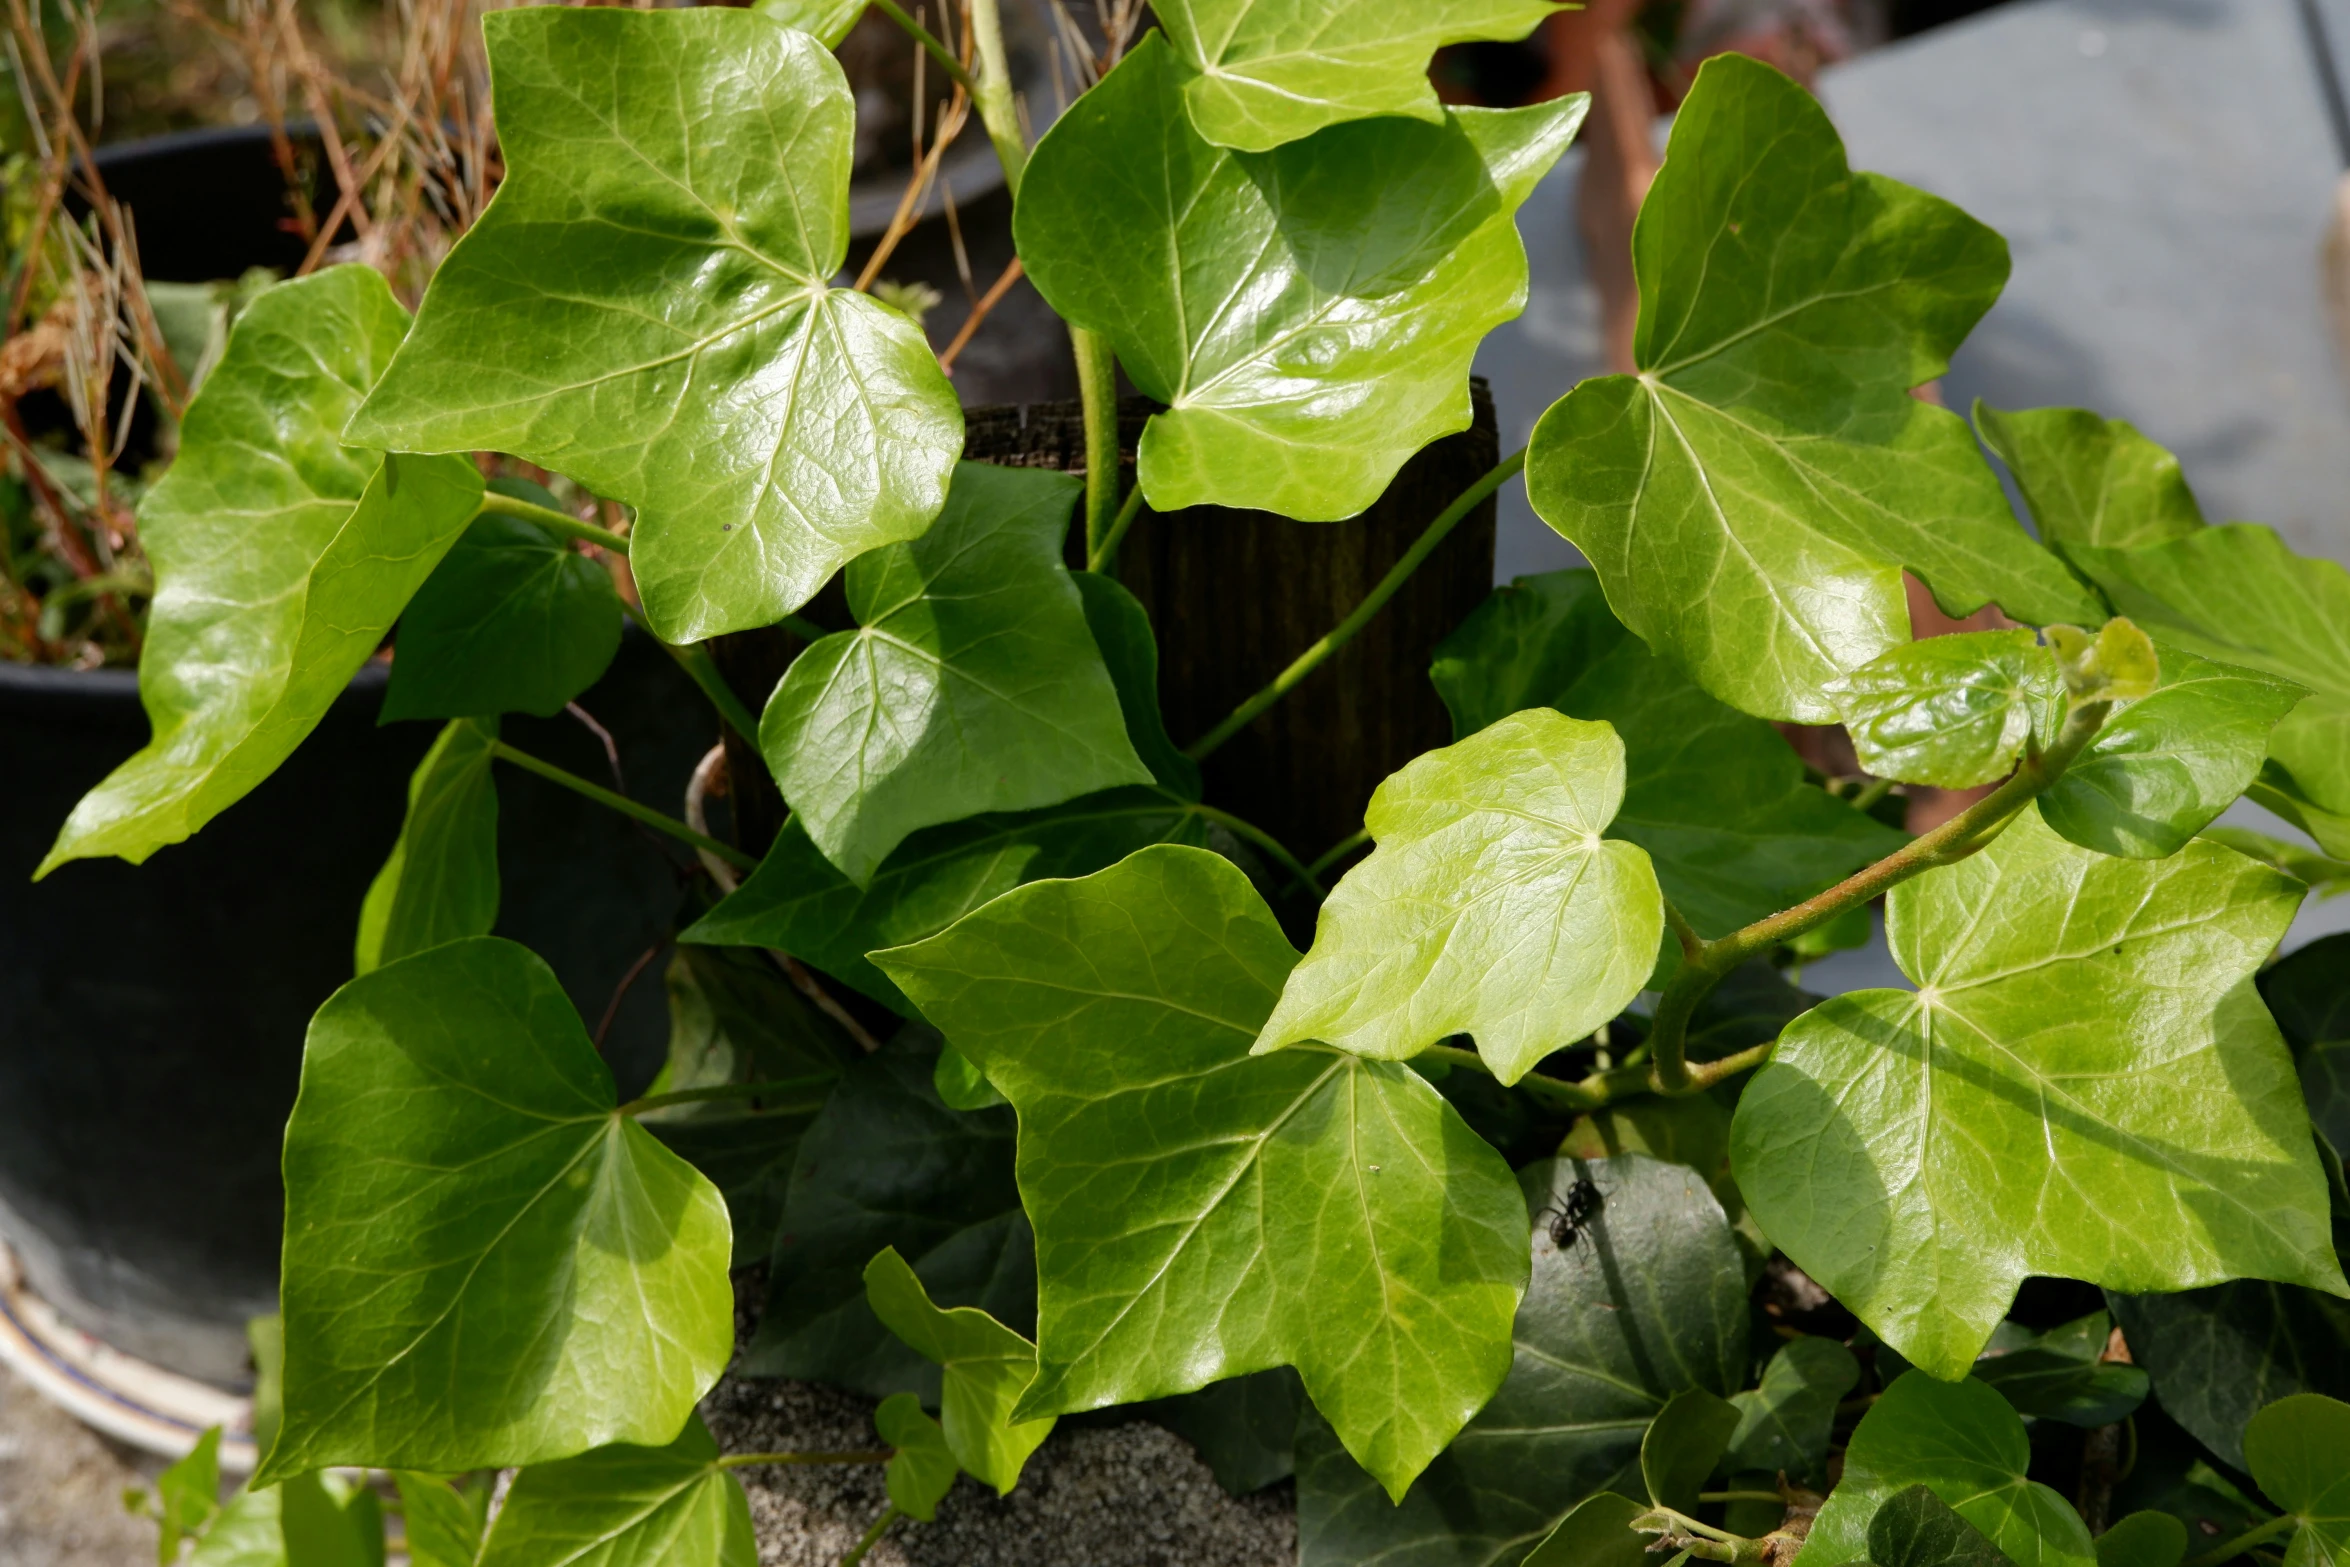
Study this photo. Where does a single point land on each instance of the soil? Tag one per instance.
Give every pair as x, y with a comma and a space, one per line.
61, 1488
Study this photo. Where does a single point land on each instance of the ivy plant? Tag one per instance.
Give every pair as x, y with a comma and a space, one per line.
1482, 1212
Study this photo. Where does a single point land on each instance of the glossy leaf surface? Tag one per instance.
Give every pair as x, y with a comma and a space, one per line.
1964, 1443
973, 684
1264, 72
1716, 798
1648, 1299
2296, 1449
627, 1507
1201, 1212
2090, 480
281, 558
1307, 327
474, 1237
1491, 906
1784, 1422
887, 1164
1916, 1528
646, 306
2219, 1355
513, 620
440, 881
246, 1534
829, 20
2083, 1024
985, 1367
1953, 711
2235, 594
1751, 497
2165, 766
922, 1470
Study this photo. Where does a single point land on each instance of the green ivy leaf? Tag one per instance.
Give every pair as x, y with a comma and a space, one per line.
1263, 72
799, 902
985, 1367
1916, 1528
1716, 798
1751, 496
2082, 1024
281, 558
440, 881
1682, 1445
645, 306
1201, 1212
1964, 1443
2165, 766
2219, 1355
2116, 663
474, 1237
887, 1164
1954, 710
187, 1497
972, 686
1646, 1300
443, 1525
327, 1521
2309, 993
1784, 1422
2325, 876
1480, 844
829, 20
2090, 480
2295, 1448
625, 1506
923, 1468
1308, 325
2276, 789
2057, 1375
246, 1534
2234, 593
513, 620
1121, 628
960, 1083
2143, 1539
1597, 1533
1244, 1428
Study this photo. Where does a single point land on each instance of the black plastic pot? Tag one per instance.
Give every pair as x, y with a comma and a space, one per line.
151, 1017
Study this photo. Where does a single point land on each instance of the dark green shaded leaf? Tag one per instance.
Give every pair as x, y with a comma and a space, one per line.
1121, 628
973, 685
281, 558
1784, 1422
474, 1236
1916, 1528
2090, 480
440, 882
1597, 1533
644, 306
984, 1367
1308, 327
1244, 1428
1953, 711
2084, 1024
1752, 496
923, 1469
327, 1521
1647, 1299
1201, 1212
887, 1164
1716, 798
442, 1524
1682, 1445
2058, 1375
2309, 992
2218, 1355
2298, 1448
1963, 1442
2145, 1539
1478, 844
624, 1506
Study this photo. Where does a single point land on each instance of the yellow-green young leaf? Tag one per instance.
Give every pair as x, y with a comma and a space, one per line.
1492, 906
1953, 711
621, 1506
923, 1468
443, 1525
2167, 764
475, 1237
1785, 1420
829, 20
987, 1367
2117, 663
246, 1534
1684, 1442
1264, 72
1307, 314
1201, 1212
972, 684
2298, 1448
1751, 497
2235, 593
281, 558
1965, 1444
2083, 1025
646, 306
440, 881
187, 1497
2326, 876
2090, 480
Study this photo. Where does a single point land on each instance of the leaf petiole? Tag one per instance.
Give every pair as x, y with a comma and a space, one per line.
930, 44
1338, 851
1103, 556
556, 521
696, 661
624, 805
871, 1537
877, 1455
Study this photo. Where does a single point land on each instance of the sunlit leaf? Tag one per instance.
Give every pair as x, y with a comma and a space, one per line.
620, 1506
443, 1526
187, 1497
2090, 480
923, 1469
440, 881
1953, 711
829, 20
985, 1368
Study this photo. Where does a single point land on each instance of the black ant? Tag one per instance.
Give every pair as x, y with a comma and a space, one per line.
1579, 1207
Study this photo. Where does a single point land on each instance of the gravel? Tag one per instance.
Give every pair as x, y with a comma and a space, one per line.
61, 1488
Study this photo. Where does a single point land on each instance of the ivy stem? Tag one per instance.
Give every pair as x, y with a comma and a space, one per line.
1338, 851
867, 1540
1593, 1092
992, 93
1741, 1496
1373, 602
547, 517
696, 661
1954, 840
695, 1096
1104, 555
1265, 841
2231, 1549
878, 1455
624, 805
1871, 792
929, 41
